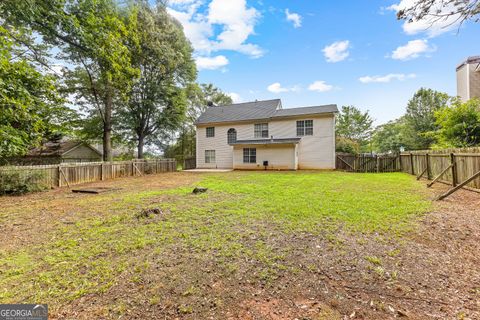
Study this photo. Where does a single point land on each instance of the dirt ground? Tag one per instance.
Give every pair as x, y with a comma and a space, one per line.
431, 273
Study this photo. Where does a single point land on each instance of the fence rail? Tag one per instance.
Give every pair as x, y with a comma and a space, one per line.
68, 174
452, 166
367, 163
456, 167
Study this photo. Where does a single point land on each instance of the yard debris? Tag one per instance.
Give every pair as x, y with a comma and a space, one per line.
95, 190
147, 213
199, 190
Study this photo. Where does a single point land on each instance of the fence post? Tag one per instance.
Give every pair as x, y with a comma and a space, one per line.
378, 163
59, 172
429, 170
101, 172
454, 169
411, 164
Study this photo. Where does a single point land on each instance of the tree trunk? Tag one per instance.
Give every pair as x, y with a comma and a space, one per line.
107, 127
140, 145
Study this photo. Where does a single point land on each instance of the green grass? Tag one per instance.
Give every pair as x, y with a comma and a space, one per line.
228, 223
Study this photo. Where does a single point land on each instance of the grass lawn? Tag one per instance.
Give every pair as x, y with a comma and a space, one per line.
204, 253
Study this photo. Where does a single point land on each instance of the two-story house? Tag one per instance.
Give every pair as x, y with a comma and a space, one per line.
262, 135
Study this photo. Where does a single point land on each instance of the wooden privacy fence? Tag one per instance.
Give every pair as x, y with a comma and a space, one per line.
77, 173
367, 162
189, 163
459, 168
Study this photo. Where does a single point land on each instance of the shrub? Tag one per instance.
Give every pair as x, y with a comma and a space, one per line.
347, 145
17, 182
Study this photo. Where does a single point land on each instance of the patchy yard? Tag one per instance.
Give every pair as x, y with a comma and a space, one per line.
260, 245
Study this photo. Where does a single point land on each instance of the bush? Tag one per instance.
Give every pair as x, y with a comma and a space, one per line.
17, 182
347, 145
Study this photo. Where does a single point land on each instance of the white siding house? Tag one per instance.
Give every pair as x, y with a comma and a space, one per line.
468, 78
261, 135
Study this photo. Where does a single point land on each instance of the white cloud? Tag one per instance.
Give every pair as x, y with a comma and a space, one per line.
225, 25
387, 78
413, 49
211, 63
277, 88
295, 18
432, 25
320, 86
337, 51
235, 97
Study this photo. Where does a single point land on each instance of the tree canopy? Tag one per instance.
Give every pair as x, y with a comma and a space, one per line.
91, 35
420, 117
157, 102
31, 107
459, 124
355, 125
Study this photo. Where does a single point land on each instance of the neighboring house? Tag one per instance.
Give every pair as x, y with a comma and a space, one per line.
118, 150
60, 151
262, 135
468, 78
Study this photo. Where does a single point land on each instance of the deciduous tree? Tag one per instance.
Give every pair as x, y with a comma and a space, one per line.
420, 117
459, 124
31, 108
157, 101
354, 124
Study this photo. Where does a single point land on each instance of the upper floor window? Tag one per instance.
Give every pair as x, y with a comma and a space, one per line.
210, 132
261, 130
231, 136
305, 128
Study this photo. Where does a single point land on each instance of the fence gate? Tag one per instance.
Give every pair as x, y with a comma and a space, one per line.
189, 163
367, 162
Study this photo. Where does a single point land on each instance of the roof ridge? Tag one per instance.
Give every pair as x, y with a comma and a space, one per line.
247, 102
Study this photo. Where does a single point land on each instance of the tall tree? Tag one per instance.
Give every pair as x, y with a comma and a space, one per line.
459, 124
91, 35
157, 101
198, 97
354, 124
31, 108
391, 137
420, 117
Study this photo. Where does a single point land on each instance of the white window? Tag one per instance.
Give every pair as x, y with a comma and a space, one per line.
210, 132
249, 155
261, 130
305, 128
209, 156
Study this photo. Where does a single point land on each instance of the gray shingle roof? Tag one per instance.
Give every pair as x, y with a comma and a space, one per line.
267, 141
240, 111
306, 111
258, 110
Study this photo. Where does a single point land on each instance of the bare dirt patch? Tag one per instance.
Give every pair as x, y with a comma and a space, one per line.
29, 219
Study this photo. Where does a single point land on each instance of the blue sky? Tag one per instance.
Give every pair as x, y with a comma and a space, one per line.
320, 52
